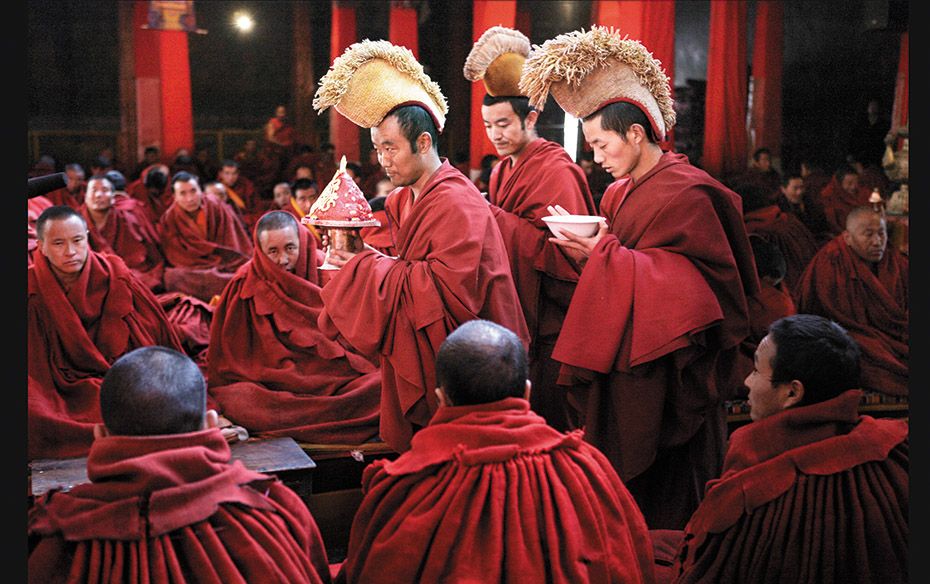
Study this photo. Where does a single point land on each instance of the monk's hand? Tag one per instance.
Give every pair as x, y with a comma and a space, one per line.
578, 248
338, 257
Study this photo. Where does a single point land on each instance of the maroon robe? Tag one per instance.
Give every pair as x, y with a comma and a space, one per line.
130, 234
808, 495
520, 194
871, 305
153, 206
770, 304
63, 196
73, 338
491, 493
380, 237
655, 326
451, 268
173, 508
786, 232
837, 203
272, 370
200, 262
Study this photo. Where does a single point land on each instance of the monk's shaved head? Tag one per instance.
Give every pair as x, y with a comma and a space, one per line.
866, 234
481, 362
858, 213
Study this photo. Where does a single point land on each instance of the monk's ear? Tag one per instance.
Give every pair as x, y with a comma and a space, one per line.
636, 134
847, 237
794, 394
424, 143
531, 118
443, 398
211, 419
100, 431
526, 392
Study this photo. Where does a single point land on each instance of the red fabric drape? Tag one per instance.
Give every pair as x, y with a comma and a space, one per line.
899, 116
767, 54
651, 23
486, 13
725, 106
162, 56
402, 27
343, 134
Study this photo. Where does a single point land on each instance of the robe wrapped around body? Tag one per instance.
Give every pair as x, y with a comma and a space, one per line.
651, 340
173, 508
789, 234
73, 338
491, 493
451, 268
272, 371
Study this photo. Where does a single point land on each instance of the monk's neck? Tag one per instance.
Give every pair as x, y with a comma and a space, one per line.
99, 217
432, 165
648, 159
515, 157
67, 279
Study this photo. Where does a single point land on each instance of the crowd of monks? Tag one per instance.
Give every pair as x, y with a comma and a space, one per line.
633, 338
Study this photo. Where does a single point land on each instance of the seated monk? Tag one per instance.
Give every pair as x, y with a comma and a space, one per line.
270, 368
488, 492
34, 208
794, 198
203, 240
305, 193
841, 195
165, 502
152, 191
73, 192
762, 216
773, 301
117, 226
861, 283
85, 309
811, 491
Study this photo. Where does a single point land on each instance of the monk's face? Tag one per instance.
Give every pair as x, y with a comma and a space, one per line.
282, 195
867, 235
229, 175
794, 190
305, 199
99, 195
217, 190
765, 399
618, 155
507, 133
282, 246
64, 243
75, 179
850, 183
401, 163
188, 196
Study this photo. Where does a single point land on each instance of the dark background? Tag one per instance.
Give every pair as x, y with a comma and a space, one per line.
837, 55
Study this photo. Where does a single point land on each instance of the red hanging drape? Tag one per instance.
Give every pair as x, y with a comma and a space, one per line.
486, 13
342, 133
767, 55
651, 23
899, 114
163, 85
725, 103
402, 26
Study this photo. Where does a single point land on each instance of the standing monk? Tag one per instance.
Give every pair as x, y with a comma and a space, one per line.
653, 331
533, 174
451, 265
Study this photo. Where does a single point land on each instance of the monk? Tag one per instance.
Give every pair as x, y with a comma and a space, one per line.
85, 309
152, 191
305, 193
764, 217
34, 208
241, 192
72, 194
811, 491
862, 283
203, 240
650, 344
165, 503
489, 492
271, 370
533, 174
795, 198
116, 225
842, 194
773, 301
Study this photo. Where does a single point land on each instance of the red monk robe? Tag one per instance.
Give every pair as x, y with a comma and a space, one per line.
871, 306
656, 324
451, 267
270, 368
154, 204
73, 338
786, 231
381, 238
203, 254
130, 234
64, 196
173, 508
808, 495
491, 493
837, 203
34, 208
520, 194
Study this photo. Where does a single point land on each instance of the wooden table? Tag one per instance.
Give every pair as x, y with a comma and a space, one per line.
280, 456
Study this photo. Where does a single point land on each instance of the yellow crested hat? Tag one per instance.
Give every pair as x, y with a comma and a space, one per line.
585, 71
372, 78
497, 59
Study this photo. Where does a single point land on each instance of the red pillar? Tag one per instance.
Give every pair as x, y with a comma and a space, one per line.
651, 23
767, 57
725, 104
487, 13
402, 26
163, 86
343, 134
899, 114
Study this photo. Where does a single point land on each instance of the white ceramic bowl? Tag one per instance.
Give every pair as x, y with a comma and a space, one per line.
583, 225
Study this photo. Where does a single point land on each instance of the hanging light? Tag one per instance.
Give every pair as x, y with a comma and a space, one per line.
243, 21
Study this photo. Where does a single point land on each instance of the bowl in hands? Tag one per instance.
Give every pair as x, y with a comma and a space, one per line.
581, 225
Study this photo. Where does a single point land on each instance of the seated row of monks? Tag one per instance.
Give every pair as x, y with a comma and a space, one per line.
811, 491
